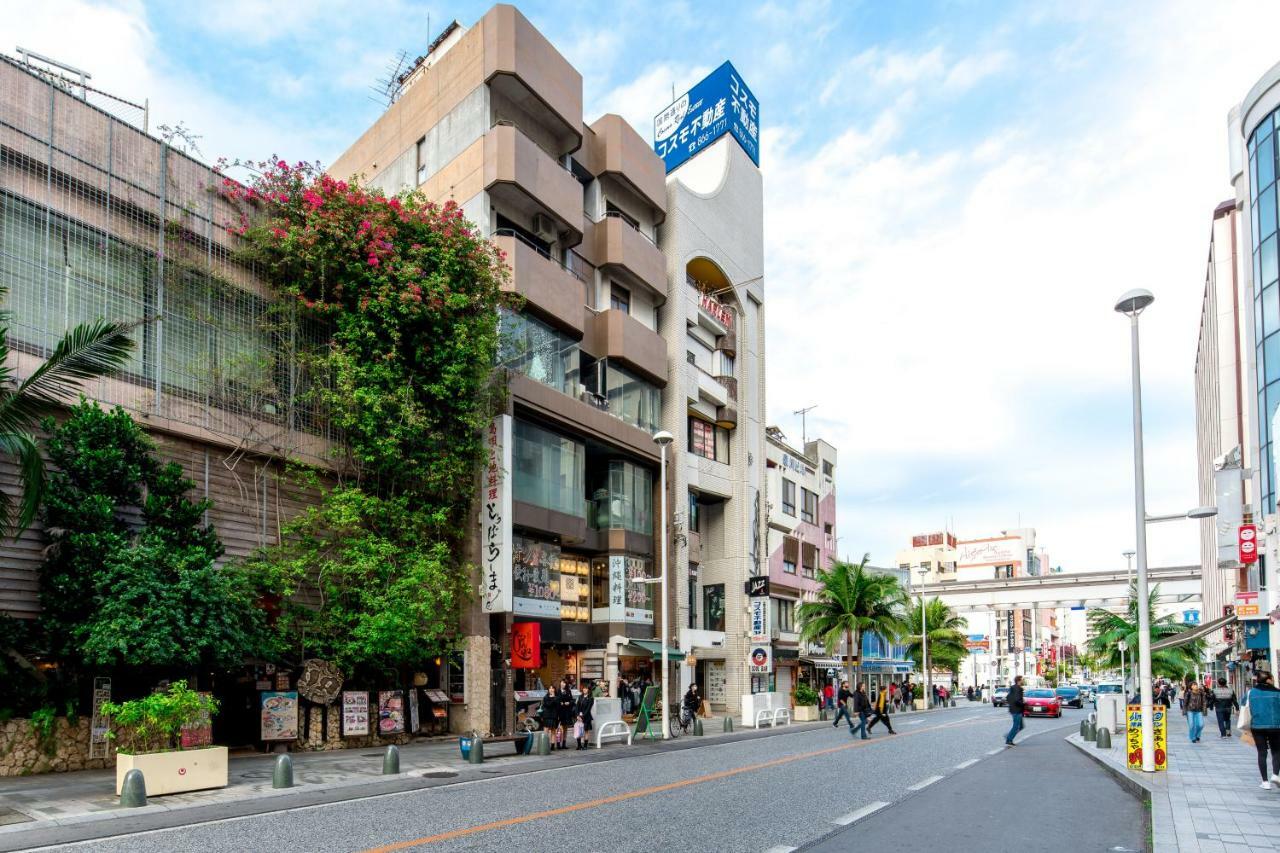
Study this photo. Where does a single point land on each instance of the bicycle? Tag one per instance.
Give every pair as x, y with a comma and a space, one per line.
681, 720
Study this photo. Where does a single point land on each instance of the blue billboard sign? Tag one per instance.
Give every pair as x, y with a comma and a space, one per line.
721, 103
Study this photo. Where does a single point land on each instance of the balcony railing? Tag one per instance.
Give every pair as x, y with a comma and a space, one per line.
506, 122
631, 221
575, 260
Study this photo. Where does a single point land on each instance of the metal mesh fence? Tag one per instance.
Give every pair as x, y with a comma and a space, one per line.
100, 220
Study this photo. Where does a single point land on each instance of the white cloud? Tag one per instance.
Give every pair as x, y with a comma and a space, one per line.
954, 303
635, 100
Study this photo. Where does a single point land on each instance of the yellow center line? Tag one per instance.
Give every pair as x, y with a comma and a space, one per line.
643, 792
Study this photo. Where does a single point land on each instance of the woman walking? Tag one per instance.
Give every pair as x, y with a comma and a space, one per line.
880, 708
568, 711
1263, 707
586, 703
1193, 706
549, 714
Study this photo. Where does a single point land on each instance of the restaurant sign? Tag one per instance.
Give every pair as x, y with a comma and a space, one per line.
495, 518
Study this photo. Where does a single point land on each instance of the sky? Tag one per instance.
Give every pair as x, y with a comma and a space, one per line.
955, 194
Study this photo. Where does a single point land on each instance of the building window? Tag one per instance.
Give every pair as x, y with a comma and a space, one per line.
808, 558
549, 470
808, 506
726, 364
708, 440
713, 607
693, 596
626, 502
691, 358
828, 469
784, 614
695, 514
788, 497
457, 676
631, 399
619, 298
529, 346
789, 566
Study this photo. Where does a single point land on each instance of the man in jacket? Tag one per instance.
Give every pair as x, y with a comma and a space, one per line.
1016, 707
881, 708
861, 707
842, 704
1224, 702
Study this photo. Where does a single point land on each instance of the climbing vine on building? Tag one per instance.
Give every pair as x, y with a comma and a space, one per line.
409, 292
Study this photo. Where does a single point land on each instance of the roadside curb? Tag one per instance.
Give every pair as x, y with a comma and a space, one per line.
1142, 792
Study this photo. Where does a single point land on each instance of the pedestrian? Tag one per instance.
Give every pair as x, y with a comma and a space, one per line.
586, 704
1016, 707
1261, 717
829, 694
881, 710
568, 712
549, 713
861, 707
842, 703
624, 694
1193, 708
1224, 702
893, 695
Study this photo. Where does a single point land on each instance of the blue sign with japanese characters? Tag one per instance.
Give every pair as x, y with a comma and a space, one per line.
721, 103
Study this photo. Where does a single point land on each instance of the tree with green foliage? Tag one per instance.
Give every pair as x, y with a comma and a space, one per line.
1109, 628
946, 633
88, 351
131, 577
851, 602
409, 292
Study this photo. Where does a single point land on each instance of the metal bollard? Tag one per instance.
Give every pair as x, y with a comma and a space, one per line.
697, 727
728, 724
476, 754
822, 715
133, 791
953, 703
542, 743
391, 761
1090, 730
1104, 738
1083, 723
282, 775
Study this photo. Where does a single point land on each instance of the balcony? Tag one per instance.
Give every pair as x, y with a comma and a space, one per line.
713, 314
523, 67
614, 334
620, 152
528, 181
622, 248
704, 386
552, 291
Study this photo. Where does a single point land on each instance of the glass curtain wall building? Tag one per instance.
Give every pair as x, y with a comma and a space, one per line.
1266, 305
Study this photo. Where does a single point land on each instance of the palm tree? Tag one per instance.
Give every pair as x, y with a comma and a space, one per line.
1109, 628
946, 633
852, 601
88, 351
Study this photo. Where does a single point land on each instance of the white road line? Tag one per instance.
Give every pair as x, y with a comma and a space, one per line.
870, 808
913, 722
780, 848
963, 764
924, 783
996, 751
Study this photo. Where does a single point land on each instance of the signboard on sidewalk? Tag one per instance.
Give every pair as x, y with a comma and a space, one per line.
391, 712
1133, 736
355, 713
279, 715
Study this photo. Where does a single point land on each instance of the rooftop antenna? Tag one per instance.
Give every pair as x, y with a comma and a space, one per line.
387, 88
804, 436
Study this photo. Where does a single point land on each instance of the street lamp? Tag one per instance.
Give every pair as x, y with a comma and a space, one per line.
1132, 305
662, 438
924, 642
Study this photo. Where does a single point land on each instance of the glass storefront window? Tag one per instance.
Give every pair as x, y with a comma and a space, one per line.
549, 470
529, 346
629, 502
632, 399
535, 577
713, 607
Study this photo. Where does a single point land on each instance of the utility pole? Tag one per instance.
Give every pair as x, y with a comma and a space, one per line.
804, 436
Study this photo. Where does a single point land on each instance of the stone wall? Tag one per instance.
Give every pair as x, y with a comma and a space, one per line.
21, 753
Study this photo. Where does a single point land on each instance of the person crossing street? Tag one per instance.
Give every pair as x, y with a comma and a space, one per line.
1016, 707
842, 703
861, 707
880, 709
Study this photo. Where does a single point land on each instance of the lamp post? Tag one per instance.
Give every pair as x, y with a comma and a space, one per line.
1124, 680
662, 438
924, 643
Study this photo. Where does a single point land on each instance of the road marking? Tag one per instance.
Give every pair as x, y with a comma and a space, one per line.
996, 751
913, 722
924, 783
963, 764
780, 848
629, 795
870, 808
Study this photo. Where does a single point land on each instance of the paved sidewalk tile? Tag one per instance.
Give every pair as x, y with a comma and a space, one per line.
1208, 801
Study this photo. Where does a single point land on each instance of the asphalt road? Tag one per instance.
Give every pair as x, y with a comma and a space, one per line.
784, 791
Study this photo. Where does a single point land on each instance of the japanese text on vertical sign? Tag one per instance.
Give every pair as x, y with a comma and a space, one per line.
720, 103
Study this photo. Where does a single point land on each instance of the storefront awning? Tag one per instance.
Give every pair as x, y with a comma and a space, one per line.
823, 663
1192, 634
648, 648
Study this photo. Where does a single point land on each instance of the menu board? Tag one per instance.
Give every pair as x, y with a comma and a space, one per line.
391, 712
535, 577
437, 695
279, 716
639, 595
715, 682
413, 709
355, 713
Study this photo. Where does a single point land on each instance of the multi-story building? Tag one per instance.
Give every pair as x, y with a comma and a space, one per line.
801, 539
931, 557
491, 117
1224, 431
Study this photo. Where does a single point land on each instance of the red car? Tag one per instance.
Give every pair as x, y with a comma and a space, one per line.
1041, 703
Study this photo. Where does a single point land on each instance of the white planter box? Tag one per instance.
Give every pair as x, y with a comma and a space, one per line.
805, 713
175, 772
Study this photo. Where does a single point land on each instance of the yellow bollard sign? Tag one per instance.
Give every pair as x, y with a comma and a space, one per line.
1133, 736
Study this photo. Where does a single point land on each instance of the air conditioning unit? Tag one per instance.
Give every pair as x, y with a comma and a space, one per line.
544, 227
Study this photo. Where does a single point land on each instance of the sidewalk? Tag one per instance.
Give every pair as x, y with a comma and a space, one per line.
1208, 801
61, 807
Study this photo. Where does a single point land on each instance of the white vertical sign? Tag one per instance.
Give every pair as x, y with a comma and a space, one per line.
759, 620
495, 518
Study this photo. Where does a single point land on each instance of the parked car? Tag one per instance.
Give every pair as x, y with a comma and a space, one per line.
998, 698
1041, 702
1072, 696
1107, 687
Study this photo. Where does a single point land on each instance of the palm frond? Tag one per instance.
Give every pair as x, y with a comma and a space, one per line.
23, 447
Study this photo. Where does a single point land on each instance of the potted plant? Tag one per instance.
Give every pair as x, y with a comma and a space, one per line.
149, 737
806, 709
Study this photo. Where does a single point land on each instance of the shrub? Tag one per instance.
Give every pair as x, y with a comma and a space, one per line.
806, 695
154, 723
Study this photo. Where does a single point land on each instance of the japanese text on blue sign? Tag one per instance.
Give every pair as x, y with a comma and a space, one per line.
721, 103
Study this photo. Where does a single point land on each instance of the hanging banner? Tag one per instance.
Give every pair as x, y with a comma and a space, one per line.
279, 716
355, 713
1248, 539
759, 620
495, 518
391, 712
526, 645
